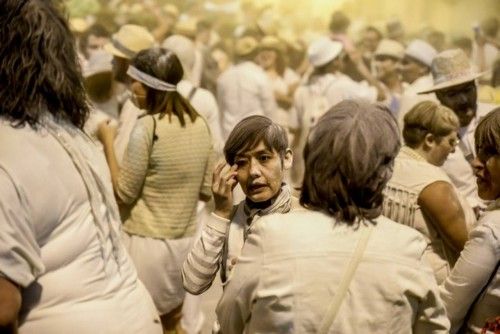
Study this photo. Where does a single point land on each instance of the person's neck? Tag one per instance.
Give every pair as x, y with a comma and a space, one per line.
423, 153
264, 204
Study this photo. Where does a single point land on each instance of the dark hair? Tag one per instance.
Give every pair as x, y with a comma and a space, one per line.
348, 160
39, 70
339, 22
97, 30
487, 134
163, 64
250, 131
99, 86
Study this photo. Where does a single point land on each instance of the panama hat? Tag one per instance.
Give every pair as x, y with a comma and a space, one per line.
451, 68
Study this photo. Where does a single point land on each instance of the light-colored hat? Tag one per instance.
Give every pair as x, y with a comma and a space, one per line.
184, 49
323, 50
389, 47
186, 26
245, 46
99, 62
129, 40
451, 68
272, 43
78, 24
421, 51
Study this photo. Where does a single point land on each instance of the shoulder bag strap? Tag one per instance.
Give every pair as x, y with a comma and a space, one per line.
346, 280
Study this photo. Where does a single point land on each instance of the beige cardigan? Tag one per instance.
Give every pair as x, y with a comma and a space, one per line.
162, 181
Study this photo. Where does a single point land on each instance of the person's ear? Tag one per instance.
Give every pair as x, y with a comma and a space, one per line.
288, 159
430, 141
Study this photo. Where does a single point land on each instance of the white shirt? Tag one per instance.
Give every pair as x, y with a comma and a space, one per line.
410, 97
458, 166
126, 123
313, 99
75, 278
473, 272
205, 104
243, 90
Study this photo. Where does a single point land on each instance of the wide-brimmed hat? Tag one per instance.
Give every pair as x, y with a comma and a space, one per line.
129, 40
323, 50
421, 51
391, 48
451, 68
245, 45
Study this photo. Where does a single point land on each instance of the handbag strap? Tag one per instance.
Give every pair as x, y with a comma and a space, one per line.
335, 304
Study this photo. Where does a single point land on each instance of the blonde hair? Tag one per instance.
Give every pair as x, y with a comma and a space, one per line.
428, 117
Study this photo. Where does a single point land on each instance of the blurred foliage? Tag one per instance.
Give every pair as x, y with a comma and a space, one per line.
82, 8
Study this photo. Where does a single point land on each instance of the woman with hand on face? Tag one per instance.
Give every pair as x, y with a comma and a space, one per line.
421, 195
257, 156
471, 292
163, 175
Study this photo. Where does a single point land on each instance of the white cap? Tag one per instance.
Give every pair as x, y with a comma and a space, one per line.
99, 62
421, 51
184, 49
322, 51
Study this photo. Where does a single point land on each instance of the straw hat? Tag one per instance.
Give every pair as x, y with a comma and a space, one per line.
451, 68
99, 62
129, 40
323, 50
389, 47
421, 51
245, 46
272, 43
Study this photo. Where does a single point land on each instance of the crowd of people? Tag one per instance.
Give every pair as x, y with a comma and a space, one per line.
335, 185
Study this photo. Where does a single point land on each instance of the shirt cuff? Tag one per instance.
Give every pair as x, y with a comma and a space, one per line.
218, 223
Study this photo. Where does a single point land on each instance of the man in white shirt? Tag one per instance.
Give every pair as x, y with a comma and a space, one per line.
325, 87
455, 87
244, 89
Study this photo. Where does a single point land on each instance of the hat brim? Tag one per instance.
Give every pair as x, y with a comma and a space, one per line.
109, 48
452, 83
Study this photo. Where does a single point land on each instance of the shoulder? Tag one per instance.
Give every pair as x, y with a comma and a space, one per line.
398, 240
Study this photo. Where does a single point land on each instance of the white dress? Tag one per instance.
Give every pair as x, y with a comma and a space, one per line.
74, 271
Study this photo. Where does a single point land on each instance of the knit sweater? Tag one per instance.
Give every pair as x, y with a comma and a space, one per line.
162, 179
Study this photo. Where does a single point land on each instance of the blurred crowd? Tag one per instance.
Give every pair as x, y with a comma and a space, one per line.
336, 183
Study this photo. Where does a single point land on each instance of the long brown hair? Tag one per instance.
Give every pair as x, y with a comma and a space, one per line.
39, 69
